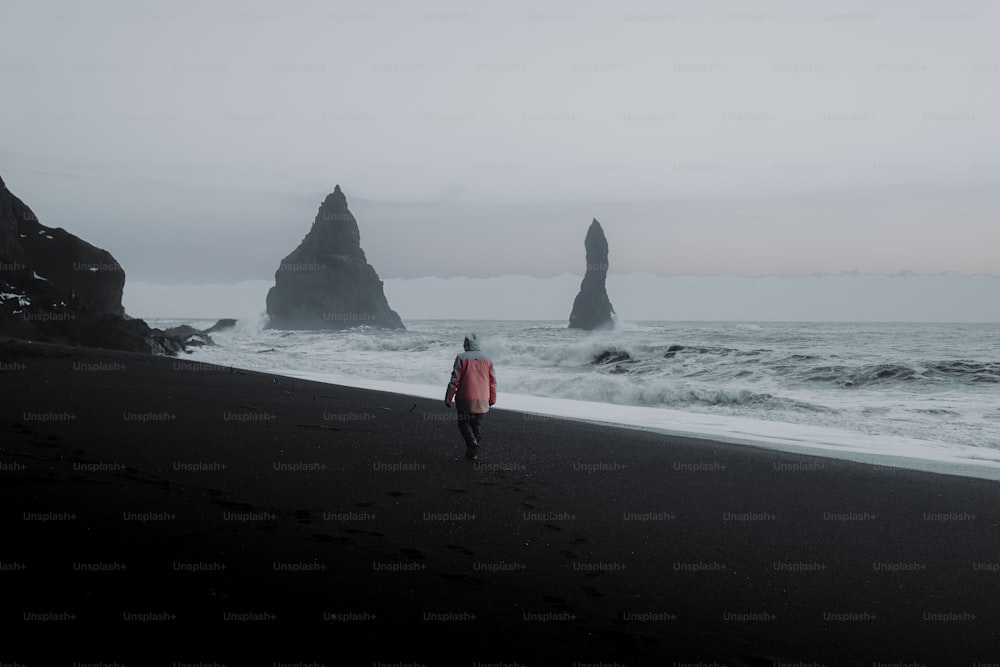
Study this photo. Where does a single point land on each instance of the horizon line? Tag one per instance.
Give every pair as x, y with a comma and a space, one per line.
818, 274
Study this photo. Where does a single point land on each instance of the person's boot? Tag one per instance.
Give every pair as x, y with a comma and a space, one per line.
471, 450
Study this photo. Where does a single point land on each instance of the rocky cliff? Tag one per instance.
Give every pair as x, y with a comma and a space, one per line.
56, 287
326, 282
592, 308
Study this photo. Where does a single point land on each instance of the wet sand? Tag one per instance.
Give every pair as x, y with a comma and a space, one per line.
285, 521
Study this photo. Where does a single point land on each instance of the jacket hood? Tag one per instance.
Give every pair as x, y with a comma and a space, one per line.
471, 342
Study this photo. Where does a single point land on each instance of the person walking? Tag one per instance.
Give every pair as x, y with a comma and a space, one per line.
473, 387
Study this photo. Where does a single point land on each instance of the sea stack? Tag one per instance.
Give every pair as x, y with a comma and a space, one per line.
326, 283
56, 287
592, 308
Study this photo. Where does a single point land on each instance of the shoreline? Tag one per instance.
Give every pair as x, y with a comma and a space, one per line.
826, 442
309, 521
943, 438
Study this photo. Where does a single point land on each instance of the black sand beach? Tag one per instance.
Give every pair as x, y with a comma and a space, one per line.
159, 511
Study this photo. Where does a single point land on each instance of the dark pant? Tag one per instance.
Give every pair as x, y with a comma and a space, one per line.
470, 425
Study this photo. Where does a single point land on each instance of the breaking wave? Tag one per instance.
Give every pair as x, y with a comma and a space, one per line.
884, 379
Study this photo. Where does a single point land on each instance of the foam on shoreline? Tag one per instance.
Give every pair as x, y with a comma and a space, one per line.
884, 450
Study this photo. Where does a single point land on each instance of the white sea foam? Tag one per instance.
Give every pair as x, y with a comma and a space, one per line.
923, 396
893, 451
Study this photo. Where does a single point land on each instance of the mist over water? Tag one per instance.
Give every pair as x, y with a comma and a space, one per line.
847, 297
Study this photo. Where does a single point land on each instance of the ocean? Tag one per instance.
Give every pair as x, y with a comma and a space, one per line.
922, 396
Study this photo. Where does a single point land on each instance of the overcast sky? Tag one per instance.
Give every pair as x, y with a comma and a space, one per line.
195, 141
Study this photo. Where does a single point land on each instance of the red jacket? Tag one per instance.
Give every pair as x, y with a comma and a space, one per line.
473, 384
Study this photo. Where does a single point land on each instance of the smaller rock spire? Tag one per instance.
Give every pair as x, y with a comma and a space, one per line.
592, 308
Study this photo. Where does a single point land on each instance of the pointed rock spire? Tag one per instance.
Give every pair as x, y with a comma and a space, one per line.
326, 282
592, 308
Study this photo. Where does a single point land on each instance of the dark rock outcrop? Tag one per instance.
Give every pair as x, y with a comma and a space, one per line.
221, 325
56, 287
194, 337
188, 335
326, 283
611, 357
592, 308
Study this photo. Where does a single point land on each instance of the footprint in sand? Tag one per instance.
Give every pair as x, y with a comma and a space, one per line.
463, 578
234, 504
460, 549
39, 440
759, 661
361, 531
88, 478
180, 537
556, 602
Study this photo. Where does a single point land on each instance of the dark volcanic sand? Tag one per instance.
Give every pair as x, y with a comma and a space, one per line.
565, 543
